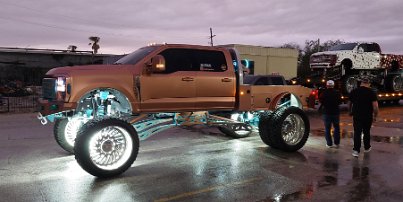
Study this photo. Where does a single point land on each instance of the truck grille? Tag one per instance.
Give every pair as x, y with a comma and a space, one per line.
49, 88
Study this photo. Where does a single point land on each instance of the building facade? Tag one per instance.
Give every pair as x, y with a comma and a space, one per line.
28, 66
267, 60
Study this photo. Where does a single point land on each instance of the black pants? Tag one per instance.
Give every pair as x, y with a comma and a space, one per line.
362, 126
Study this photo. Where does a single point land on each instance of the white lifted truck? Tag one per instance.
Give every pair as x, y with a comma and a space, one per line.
102, 111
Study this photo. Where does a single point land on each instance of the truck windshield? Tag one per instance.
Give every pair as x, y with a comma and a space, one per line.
346, 46
136, 56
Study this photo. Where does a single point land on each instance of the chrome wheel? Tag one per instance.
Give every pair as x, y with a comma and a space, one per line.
289, 129
71, 129
110, 148
293, 129
351, 84
397, 83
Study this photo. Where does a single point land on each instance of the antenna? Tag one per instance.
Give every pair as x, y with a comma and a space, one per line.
211, 37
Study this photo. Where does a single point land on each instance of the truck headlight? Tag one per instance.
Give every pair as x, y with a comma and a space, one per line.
60, 88
61, 84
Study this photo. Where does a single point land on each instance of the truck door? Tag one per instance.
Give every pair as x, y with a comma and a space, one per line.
172, 89
215, 80
368, 56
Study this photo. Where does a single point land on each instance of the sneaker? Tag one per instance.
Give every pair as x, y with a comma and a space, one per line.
367, 150
336, 146
355, 153
327, 146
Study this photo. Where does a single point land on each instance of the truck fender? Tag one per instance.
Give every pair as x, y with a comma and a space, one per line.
123, 100
285, 99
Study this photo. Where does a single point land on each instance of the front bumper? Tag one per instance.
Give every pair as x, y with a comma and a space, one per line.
47, 107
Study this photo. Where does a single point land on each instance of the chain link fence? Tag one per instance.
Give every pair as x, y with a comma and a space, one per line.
18, 104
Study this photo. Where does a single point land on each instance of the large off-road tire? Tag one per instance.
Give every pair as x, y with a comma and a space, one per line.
236, 130
289, 128
264, 129
395, 83
349, 83
106, 147
65, 132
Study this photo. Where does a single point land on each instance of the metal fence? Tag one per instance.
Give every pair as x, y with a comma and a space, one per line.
18, 104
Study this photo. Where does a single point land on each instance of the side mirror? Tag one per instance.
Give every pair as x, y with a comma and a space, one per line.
156, 64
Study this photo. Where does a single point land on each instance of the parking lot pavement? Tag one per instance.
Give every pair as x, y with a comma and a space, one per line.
201, 164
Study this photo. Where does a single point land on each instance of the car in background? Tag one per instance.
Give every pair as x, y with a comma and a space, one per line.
261, 80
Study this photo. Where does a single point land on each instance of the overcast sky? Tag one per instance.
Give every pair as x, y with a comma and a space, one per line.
125, 25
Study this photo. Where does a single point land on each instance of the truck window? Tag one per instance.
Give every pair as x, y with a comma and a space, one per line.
262, 81
277, 80
213, 61
346, 46
177, 60
374, 48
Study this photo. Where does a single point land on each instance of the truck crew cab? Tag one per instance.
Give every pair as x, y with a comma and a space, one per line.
102, 111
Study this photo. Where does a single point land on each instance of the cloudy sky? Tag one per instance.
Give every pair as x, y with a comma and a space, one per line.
125, 25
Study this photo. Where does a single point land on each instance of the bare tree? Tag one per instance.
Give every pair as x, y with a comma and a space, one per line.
95, 46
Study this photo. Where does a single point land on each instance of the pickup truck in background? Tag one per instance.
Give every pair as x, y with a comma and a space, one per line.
102, 111
348, 63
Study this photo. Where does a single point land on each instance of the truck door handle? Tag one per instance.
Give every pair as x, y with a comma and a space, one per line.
226, 80
187, 79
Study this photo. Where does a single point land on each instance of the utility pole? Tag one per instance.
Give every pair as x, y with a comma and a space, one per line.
211, 36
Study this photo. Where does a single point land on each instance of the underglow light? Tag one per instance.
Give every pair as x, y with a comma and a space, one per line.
234, 116
247, 63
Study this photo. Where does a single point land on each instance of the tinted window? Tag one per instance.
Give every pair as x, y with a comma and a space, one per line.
346, 46
374, 48
261, 81
213, 61
179, 59
277, 81
248, 79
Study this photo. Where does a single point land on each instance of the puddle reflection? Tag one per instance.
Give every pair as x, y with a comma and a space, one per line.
349, 134
344, 133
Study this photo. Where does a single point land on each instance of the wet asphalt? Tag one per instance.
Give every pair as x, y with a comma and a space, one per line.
199, 163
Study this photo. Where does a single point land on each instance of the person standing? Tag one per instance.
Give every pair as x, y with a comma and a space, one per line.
364, 109
330, 100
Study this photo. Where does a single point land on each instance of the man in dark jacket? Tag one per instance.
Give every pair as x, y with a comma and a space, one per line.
330, 100
364, 109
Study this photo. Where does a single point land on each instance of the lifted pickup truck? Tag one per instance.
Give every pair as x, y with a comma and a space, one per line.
102, 111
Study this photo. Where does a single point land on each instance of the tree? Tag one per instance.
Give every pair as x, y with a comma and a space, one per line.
95, 46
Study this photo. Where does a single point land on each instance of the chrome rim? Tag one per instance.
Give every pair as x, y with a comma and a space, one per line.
293, 129
241, 129
351, 84
111, 147
397, 83
71, 129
